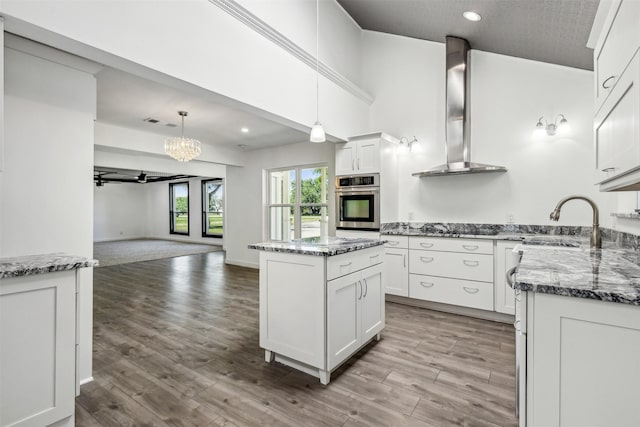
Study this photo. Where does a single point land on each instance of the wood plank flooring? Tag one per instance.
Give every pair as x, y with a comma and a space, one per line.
176, 344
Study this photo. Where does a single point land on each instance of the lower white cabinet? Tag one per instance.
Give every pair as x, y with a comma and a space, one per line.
317, 311
582, 362
38, 349
505, 259
465, 293
355, 312
396, 268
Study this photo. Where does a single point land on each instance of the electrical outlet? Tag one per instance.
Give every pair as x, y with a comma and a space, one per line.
411, 216
510, 218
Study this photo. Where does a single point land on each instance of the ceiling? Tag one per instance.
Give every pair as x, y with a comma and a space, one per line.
126, 100
554, 31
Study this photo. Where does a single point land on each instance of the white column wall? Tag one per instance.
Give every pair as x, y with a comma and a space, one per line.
46, 186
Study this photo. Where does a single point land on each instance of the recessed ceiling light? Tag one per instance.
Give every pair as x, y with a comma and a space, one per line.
472, 16
244, 130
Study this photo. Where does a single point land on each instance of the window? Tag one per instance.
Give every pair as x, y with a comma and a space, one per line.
297, 202
212, 207
179, 208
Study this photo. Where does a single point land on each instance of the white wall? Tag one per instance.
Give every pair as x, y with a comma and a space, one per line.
120, 212
215, 52
340, 36
245, 205
507, 97
46, 186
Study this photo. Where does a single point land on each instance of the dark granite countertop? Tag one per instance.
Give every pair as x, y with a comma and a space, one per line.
328, 246
609, 274
40, 264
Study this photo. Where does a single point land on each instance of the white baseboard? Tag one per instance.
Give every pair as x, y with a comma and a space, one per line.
116, 239
454, 309
86, 381
242, 263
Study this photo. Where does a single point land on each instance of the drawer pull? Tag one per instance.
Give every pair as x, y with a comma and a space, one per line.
426, 259
470, 263
374, 256
604, 83
427, 284
345, 265
426, 245
608, 169
391, 243
470, 247
471, 290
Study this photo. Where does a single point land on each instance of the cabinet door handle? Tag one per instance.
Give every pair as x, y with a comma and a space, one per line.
470, 263
374, 256
392, 243
611, 169
604, 83
510, 275
404, 257
358, 163
353, 164
360, 285
366, 288
345, 265
426, 259
426, 245
471, 290
427, 284
470, 247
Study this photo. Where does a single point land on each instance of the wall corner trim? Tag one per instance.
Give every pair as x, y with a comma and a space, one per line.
270, 33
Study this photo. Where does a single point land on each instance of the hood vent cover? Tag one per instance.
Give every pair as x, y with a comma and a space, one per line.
458, 145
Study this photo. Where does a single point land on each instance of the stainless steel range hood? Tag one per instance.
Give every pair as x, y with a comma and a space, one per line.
458, 144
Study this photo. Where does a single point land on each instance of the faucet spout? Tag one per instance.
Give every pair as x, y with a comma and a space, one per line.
596, 238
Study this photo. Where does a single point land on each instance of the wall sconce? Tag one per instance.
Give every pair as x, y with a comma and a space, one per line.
552, 128
405, 145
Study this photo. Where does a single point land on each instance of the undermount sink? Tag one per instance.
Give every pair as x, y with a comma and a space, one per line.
557, 241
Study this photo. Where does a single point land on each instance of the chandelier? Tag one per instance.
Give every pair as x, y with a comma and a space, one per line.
180, 148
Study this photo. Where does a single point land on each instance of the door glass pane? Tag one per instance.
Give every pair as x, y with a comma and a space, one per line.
282, 187
314, 185
180, 208
357, 208
315, 221
281, 226
212, 202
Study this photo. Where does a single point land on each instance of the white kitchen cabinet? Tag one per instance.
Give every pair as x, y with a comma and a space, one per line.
582, 362
460, 272
504, 295
317, 311
38, 349
355, 313
616, 46
358, 157
617, 128
396, 265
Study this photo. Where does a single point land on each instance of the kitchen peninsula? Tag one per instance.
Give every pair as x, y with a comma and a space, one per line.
321, 300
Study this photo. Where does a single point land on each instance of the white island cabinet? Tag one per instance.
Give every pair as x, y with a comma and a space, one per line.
320, 301
38, 339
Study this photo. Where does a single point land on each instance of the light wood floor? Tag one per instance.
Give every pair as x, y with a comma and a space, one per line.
176, 343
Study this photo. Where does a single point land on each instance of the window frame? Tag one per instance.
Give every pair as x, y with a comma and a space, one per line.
172, 211
203, 184
297, 206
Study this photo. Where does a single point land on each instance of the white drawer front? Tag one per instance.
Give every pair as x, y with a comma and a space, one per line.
340, 265
451, 291
400, 242
452, 264
472, 246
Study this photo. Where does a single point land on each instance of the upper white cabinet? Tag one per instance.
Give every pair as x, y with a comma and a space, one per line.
617, 119
356, 157
616, 46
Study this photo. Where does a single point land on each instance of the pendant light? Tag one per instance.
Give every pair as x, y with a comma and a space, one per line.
317, 131
180, 148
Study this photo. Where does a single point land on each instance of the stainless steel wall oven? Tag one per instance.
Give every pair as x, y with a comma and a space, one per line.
358, 202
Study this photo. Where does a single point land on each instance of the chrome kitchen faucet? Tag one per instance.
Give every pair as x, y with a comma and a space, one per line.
596, 239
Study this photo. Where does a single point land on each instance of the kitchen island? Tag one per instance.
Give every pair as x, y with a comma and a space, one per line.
321, 300
578, 323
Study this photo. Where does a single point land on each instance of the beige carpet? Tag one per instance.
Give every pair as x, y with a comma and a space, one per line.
126, 251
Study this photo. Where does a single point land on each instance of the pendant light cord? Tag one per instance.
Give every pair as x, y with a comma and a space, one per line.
317, 60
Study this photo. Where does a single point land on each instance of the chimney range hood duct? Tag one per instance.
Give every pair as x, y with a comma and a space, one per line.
458, 146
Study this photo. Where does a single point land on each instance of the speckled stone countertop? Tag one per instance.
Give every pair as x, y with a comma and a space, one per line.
328, 246
513, 232
40, 264
609, 274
